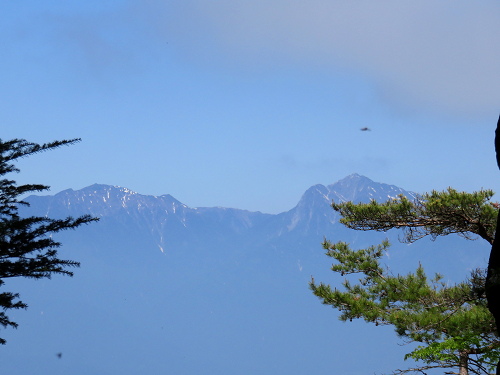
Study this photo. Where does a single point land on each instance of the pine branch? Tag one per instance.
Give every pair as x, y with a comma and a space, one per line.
26, 245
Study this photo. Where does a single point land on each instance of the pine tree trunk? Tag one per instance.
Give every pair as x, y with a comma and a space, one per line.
464, 361
493, 277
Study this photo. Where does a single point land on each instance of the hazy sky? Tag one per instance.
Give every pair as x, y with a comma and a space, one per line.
248, 103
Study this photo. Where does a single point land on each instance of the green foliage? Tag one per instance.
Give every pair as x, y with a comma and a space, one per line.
453, 322
483, 352
420, 309
27, 248
435, 214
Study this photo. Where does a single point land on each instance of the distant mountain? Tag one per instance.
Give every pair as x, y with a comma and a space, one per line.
167, 220
161, 219
166, 288
313, 212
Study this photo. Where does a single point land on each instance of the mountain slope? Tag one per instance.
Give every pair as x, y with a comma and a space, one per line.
166, 219
165, 288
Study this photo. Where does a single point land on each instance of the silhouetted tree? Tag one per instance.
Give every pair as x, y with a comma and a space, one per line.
493, 276
453, 323
27, 248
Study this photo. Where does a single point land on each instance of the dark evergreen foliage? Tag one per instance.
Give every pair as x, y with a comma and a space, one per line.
27, 248
431, 214
493, 275
453, 323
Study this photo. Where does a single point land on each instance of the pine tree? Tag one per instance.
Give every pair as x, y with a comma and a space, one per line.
27, 248
493, 275
452, 322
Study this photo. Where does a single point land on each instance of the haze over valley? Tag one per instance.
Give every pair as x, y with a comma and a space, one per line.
164, 287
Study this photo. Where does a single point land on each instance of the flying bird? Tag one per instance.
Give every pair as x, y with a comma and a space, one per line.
59, 355
365, 129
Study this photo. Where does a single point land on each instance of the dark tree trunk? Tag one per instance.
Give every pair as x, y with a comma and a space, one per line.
493, 277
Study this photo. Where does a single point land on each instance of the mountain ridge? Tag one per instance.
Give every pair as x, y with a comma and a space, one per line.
207, 289
336, 191
312, 215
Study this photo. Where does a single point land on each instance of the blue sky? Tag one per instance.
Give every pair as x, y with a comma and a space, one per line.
247, 104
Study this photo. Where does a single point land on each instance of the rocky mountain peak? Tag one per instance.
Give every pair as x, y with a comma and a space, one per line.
357, 188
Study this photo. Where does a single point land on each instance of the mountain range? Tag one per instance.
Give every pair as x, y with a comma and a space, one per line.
169, 222
166, 288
